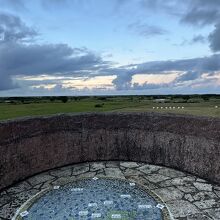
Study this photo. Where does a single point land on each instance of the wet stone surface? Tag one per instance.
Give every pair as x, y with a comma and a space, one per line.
187, 197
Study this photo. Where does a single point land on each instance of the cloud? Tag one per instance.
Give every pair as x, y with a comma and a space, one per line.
17, 57
146, 30
13, 29
201, 16
188, 69
196, 13
123, 81
188, 76
214, 38
149, 86
201, 12
198, 39
21, 56
168, 6
6, 82
20, 59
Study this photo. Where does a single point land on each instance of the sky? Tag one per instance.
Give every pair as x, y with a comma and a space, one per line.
102, 47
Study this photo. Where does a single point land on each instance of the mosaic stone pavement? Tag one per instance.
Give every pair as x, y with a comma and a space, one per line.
187, 197
95, 199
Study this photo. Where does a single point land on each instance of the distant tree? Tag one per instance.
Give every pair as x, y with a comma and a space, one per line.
99, 105
131, 98
141, 97
186, 97
52, 98
75, 98
206, 98
13, 102
151, 98
64, 99
102, 98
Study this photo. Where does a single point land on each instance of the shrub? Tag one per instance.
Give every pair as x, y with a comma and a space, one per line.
64, 99
99, 105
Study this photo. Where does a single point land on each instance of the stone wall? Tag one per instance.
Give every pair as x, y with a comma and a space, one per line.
32, 145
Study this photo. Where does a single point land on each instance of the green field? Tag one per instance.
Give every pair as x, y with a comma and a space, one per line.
109, 104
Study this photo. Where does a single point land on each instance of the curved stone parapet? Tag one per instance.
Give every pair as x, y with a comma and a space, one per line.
32, 145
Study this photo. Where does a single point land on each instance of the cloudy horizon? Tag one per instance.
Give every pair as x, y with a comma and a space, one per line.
117, 47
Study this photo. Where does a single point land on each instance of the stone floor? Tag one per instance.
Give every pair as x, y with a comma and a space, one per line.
186, 196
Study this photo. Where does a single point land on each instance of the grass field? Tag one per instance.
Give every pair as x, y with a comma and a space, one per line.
114, 104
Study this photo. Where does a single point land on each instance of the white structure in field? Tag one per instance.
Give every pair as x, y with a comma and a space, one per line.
160, 100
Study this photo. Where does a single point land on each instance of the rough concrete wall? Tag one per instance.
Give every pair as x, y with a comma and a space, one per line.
32, 145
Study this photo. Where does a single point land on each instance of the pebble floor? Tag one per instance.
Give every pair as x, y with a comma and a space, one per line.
95, 199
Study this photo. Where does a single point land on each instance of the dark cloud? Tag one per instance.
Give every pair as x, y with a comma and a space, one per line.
193, 12
13, 29
191, 69
146, 30
214, 38
198, 39
123, 81
201, 16
202, 12
149, 86
188, 76
6, 82
19, 58
210, 64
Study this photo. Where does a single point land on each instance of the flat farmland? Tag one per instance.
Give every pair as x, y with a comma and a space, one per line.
15, 109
